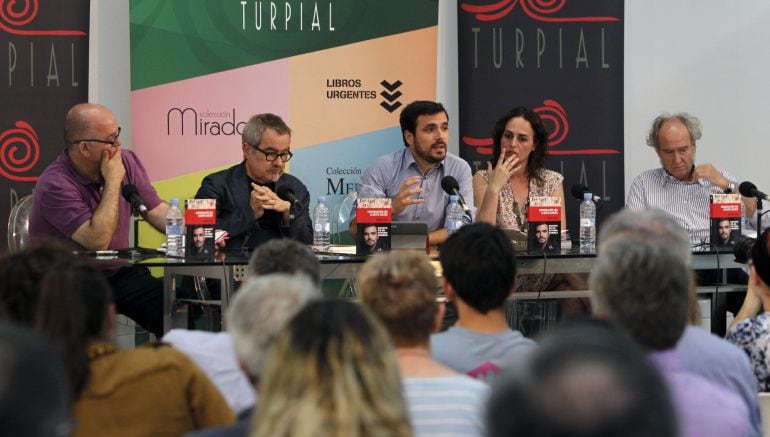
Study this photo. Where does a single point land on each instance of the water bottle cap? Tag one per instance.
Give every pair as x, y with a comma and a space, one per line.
453, 198
174, 201
588, 196
321, 199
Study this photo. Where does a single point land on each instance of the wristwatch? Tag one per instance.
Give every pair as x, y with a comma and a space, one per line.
730, 188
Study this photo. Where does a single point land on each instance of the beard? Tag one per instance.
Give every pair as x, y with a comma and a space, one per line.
431, 154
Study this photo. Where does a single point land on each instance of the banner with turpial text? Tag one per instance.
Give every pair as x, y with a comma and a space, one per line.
45, 72
338, 72
564, 59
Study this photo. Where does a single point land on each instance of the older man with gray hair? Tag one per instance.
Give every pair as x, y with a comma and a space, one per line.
213, 351
680, 187
259, 312
641, 282
701, 352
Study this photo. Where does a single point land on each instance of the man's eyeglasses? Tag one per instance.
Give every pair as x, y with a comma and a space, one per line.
272, 156
110, 142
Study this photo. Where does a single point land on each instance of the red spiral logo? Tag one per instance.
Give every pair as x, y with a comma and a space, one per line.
554, 117
19, 152
536, 9
19, 13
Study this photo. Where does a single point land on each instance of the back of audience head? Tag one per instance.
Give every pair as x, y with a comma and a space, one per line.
479, 263
642, 285
20, 276
584, 380
400, 288
260, 310
760, 257
652, 223
332, 372
284, 255
74, 309
35, 399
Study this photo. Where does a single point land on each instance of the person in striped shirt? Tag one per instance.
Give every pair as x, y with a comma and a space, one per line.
681, 187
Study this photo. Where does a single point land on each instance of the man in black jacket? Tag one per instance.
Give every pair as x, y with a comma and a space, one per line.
248, 206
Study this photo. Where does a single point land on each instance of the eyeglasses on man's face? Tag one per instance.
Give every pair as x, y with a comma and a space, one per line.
271, 156
111, 142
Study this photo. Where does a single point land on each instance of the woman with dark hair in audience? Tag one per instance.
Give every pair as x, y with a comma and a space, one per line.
332, 372
750, 329
154, 391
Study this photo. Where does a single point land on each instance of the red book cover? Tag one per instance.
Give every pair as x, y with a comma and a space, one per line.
544, 224
200, 216
373, 217
725, 213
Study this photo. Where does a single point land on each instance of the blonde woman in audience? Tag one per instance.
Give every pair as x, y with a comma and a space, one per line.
144, 392
332, 372
400, 288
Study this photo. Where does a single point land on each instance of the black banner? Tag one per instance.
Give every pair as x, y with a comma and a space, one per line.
564, 58
45, 73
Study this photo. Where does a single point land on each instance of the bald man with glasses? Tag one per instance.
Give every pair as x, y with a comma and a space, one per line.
78, 200
253, 201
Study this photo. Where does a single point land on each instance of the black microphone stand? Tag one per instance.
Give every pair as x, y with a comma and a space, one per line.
136, 217
759, 216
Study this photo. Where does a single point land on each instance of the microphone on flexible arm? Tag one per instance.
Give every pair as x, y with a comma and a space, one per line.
131, 194
450, 186
288, 195
748, 189
578, 190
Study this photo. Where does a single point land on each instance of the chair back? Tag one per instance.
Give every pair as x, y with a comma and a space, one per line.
18, 224
341, 235
764, 411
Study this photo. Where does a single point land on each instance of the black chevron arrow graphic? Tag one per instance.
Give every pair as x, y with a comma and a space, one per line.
391, 97
390, 108
391, 86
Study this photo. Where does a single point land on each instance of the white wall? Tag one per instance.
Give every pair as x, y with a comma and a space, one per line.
707, 57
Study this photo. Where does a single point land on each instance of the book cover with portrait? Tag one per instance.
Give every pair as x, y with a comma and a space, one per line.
373, 217
725, 214
200, 216
544, 224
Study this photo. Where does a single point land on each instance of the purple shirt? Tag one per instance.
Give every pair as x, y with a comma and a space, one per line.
65, 199
704, 409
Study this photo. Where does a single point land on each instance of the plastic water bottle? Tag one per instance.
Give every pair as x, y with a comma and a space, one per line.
321, 226
454, 215
174, 230
587, 224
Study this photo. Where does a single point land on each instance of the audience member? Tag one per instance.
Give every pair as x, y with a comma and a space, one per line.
400, 288
331, 372
213, 351
20, 276
145, 391
259, 312
751, 327
412, 177
642, 284
479, 268
701, 352
35, 400
249, 206
584, 380
78, 200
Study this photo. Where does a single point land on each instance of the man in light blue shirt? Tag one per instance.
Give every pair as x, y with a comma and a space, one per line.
412, 177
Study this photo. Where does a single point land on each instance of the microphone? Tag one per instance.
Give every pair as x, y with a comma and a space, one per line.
748, 189
288, 195
131, 194
578, 190
450, 186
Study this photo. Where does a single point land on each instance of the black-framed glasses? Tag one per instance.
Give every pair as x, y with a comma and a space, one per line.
272, 156
92, 140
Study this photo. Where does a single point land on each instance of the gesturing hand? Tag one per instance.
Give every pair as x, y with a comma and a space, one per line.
503, 171
404, 198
